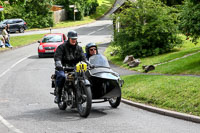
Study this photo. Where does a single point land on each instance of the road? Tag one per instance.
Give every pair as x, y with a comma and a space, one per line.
27, 107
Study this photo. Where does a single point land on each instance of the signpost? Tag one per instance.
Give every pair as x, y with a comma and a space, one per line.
75, 10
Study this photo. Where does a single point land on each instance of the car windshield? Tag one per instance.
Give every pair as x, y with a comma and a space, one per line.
52, 38
99, 61
3, 22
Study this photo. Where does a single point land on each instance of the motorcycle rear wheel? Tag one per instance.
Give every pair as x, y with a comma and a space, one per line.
84, 105
115, 101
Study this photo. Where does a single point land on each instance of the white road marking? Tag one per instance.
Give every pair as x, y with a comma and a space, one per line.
2, 120
13, 66
91, 33
100, 29
97, 30
10, 126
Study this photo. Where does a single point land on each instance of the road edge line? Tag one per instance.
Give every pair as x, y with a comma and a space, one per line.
2, 120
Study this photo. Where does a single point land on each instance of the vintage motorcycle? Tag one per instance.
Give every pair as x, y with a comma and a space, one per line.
87, 84
76, 91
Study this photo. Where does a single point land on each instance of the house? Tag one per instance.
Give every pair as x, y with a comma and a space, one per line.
59, 13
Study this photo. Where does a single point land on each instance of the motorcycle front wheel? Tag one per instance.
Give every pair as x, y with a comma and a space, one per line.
84, 102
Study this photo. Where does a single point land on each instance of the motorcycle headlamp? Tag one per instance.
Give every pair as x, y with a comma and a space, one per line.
81, 67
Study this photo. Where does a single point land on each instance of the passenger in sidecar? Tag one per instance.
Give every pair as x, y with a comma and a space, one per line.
90, 49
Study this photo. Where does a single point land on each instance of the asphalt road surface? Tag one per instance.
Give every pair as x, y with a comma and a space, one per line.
27, 107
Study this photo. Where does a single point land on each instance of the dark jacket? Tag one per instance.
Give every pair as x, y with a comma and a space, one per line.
69, 55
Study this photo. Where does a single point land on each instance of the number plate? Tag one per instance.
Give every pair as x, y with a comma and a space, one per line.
49, 51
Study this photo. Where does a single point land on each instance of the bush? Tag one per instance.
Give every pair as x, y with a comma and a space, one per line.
90, 7
189, 24
84, 7
147, 28
36, 14
39, 14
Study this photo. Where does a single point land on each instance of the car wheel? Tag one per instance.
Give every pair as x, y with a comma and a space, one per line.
21, 30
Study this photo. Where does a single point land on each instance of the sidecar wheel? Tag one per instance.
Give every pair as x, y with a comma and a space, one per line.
84, 105
115, 101
62, 105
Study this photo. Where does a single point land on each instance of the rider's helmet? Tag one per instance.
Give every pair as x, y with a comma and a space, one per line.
72, 34
87, 47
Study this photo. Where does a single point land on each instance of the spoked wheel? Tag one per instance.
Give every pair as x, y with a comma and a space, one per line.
71, 99
115, 101
62, 105
84, 102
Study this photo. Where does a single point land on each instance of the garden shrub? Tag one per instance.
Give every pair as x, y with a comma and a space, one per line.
147, 28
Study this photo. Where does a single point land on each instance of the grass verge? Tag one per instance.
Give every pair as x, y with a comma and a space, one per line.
17, 41
178, 93
168, 68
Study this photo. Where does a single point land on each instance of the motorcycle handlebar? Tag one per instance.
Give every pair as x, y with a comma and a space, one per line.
69, 69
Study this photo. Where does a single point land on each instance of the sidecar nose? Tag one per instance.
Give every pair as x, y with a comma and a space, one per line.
106, 76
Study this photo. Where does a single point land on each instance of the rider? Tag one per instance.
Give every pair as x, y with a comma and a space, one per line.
67, 54
91, 49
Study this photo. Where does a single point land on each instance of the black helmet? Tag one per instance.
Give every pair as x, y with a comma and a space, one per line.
88, 46
72, 34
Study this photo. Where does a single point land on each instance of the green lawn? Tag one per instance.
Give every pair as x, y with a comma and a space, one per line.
17, 41
178, 93
187, 48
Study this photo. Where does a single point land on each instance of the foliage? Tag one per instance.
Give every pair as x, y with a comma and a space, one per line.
14, 11
36, 13
172, 2
190, 20
187, 48
84, 7
147, 28
17, 2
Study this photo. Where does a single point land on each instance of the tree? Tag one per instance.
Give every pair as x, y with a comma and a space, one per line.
172, 2
190, 20
38, 13
84, 7
147, 28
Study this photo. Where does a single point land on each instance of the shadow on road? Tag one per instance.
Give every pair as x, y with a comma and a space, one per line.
56, 115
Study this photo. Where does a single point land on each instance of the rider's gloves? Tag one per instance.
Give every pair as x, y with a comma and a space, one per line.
90, 65
58, 65
59, 68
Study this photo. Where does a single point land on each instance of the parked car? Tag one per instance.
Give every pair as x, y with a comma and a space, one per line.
14, 25
49, 43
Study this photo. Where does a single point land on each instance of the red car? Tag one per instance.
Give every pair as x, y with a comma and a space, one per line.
49, 44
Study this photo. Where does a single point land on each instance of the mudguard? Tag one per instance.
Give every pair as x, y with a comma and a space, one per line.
86, 82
